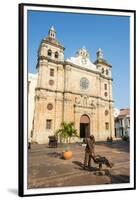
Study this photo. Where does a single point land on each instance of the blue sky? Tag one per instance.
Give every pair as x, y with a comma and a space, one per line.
110, 33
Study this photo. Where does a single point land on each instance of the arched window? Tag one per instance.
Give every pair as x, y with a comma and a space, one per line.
49, 52
56, 54
107, 71
102, 70
105, 86
105, 94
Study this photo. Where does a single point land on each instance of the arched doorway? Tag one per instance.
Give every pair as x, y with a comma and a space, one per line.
84, 126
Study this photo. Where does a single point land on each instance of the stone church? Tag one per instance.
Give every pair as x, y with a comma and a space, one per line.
72, 90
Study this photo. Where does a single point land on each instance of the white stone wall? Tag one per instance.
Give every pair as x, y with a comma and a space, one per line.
32, 83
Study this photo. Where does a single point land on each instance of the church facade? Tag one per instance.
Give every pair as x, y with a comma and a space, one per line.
72, 90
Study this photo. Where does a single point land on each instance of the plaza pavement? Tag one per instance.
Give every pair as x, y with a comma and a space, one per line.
46, 168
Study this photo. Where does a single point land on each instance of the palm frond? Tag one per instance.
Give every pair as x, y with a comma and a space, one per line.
67, 130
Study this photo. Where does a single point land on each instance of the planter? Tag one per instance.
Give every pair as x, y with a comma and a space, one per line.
67, 155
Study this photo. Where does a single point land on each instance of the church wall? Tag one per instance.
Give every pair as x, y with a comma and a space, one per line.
42, 113
78, 102
60, 96
73, 77
103, 118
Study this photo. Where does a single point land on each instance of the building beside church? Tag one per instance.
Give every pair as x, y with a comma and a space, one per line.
122, 123
72, 90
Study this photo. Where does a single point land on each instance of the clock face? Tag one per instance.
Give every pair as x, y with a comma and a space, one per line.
84, 61
84, 83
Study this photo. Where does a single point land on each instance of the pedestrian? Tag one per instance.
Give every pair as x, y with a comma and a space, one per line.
29, 143
89, 151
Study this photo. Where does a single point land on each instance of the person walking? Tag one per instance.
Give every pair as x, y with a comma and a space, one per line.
89, 151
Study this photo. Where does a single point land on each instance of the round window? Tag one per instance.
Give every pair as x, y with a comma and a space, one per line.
84, 83
51, 82
106, 112
49, 106
106, 94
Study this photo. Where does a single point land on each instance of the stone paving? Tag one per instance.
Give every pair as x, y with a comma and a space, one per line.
46, 168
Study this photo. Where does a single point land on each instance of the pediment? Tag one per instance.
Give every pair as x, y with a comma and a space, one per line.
82, 59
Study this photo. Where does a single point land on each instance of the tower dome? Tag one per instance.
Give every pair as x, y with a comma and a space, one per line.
52, 32
99, 54
82, 52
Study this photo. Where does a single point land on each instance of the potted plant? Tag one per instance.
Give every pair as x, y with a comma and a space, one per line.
65, 133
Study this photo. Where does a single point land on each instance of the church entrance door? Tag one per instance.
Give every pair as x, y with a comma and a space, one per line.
84, 126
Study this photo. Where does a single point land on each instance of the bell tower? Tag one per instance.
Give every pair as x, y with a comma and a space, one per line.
52, 33
50, 87
50, 57
105, 93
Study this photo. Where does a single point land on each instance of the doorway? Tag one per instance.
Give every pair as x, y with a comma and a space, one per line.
84, 126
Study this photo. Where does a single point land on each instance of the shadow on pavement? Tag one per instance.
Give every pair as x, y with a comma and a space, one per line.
55, 154
81, 165
117, 145
120, 178
113, 178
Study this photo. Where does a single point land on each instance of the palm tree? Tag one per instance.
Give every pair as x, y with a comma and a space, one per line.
67, 131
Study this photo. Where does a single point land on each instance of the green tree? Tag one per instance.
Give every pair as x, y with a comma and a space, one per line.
66, 132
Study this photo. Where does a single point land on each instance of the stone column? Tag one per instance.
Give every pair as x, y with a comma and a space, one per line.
111, 121
42, 74
77, 120
98, 121
58, 111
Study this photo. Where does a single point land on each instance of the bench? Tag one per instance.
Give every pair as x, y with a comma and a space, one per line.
53, 141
